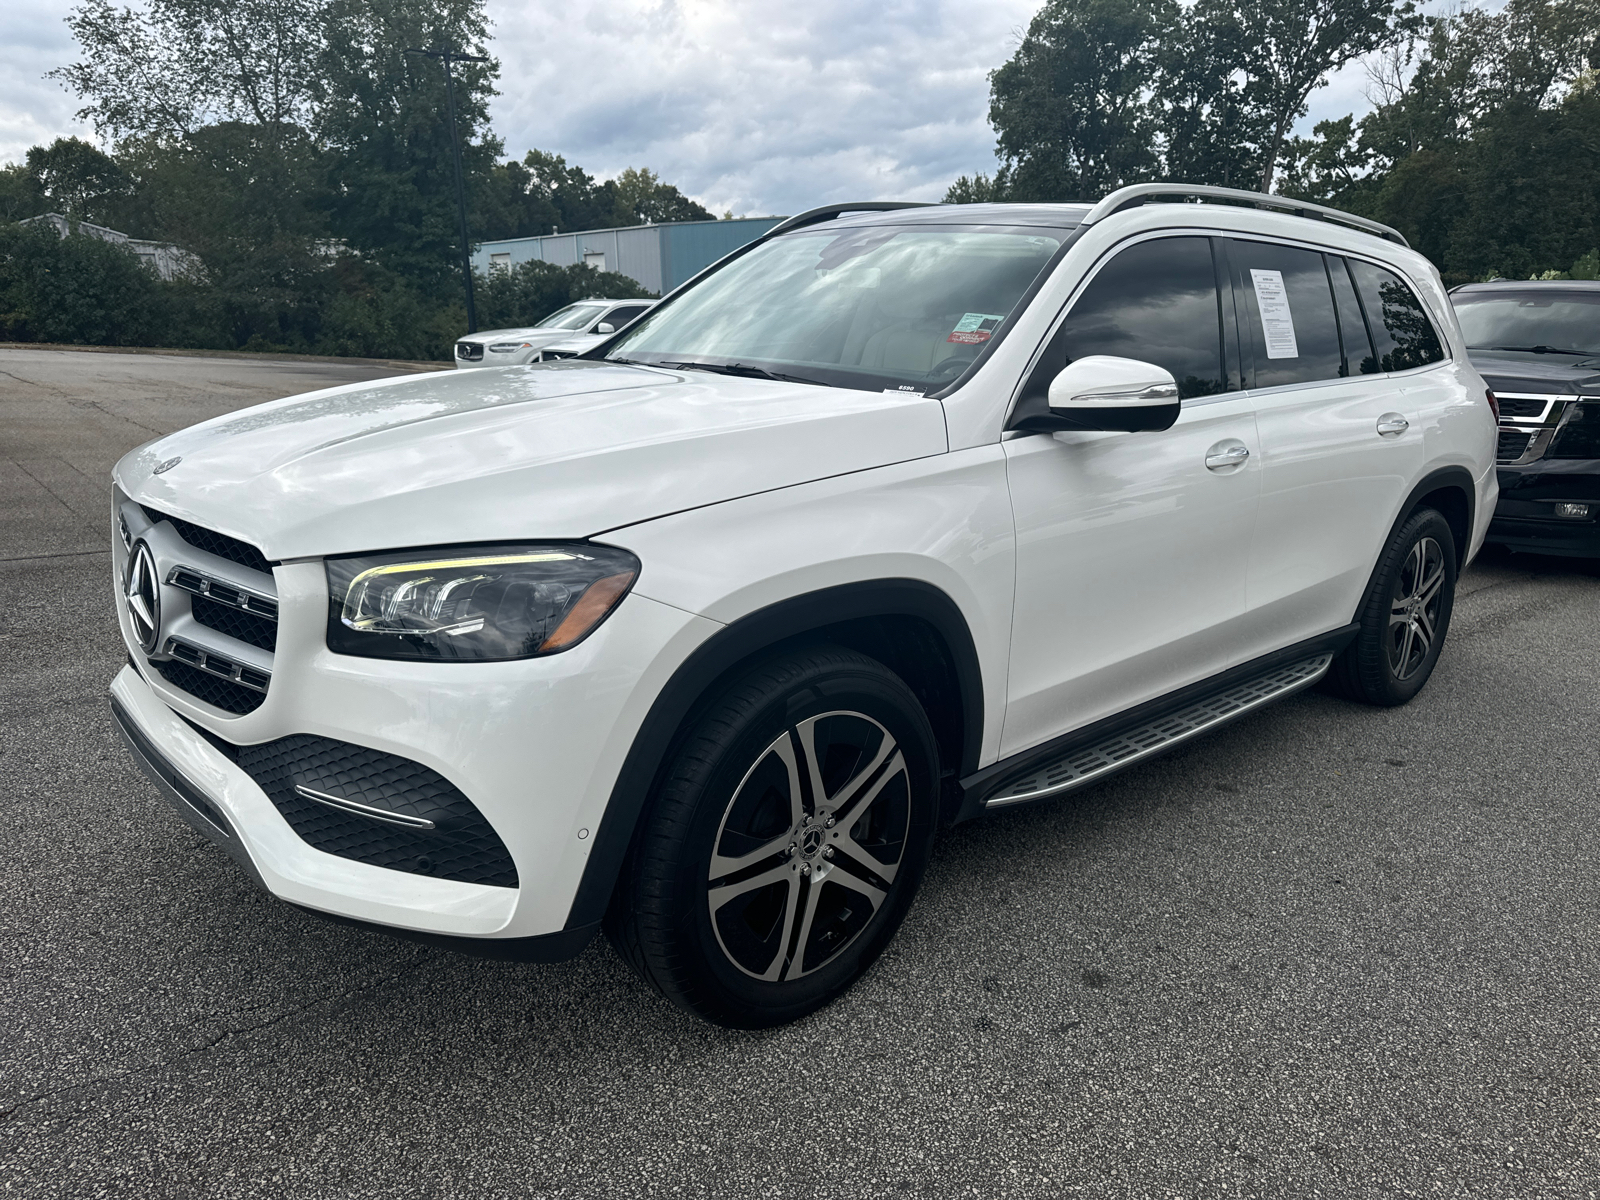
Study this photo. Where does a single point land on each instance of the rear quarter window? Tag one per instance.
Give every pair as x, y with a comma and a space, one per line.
1403, 336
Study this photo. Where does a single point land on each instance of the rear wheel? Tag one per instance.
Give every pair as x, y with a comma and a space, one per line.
1405, 616
784, 843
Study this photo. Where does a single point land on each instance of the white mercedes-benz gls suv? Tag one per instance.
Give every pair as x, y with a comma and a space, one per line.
894, 516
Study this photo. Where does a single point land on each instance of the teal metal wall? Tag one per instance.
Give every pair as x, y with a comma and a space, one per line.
691, 247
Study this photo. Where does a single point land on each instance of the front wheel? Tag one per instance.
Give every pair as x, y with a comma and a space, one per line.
784, 843
1404, 617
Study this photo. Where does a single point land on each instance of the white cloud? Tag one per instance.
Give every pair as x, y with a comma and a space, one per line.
758, 108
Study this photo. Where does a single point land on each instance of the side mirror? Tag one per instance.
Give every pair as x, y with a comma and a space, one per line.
605, 327
1100, 391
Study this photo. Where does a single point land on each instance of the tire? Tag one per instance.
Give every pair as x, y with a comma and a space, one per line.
1404, 617
741, 900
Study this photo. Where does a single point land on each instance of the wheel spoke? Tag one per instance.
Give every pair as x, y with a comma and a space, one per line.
807, 731
854, 852
1424, 628
857, 884
1404, 656
851, 811
723, 865
719, 896
1431, 588
797, 960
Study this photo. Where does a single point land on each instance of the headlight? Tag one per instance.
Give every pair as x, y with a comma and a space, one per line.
474, 603
508, 347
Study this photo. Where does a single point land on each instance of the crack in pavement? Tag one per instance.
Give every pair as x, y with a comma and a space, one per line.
160, 1064
57, 554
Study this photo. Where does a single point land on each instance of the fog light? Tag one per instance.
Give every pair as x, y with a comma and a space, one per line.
1576, 511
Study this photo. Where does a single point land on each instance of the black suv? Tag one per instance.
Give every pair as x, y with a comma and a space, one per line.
1537, 344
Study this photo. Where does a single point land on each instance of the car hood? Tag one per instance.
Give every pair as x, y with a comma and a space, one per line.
1511, 371
555, 450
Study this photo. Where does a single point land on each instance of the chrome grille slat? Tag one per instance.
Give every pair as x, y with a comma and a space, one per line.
217, 664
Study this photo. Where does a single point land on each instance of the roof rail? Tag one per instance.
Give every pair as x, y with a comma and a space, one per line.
828, 212
1142, 193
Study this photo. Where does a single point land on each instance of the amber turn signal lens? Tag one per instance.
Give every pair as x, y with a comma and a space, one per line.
591, 608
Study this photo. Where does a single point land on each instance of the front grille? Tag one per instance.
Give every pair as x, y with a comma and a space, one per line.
1513, 444
212, 542
247, 627
1521, 406
462, 845
469, 351
213, 689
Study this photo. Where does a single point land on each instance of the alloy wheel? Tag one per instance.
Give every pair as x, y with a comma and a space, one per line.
1414, 611
809, 845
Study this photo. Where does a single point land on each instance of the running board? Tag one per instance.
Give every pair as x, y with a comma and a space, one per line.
1089, 763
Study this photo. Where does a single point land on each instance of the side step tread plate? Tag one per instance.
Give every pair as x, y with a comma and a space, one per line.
1088, 763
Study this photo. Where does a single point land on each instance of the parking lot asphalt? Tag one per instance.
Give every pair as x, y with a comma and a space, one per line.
1327, 951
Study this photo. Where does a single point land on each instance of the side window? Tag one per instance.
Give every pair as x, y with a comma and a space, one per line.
1156, 302
1289, 307
1404, 336
622, 316
1358, 356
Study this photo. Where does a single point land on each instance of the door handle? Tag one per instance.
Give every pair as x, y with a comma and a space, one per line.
1392, 425
1219, 458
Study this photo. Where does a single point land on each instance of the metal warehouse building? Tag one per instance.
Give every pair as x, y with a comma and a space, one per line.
660, 257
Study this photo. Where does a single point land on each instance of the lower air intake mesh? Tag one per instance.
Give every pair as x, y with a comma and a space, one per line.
461, 846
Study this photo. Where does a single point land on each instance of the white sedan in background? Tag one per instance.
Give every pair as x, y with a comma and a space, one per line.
594, 319
579, 342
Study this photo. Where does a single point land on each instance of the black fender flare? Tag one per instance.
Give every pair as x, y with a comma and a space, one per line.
723, 652
1457, 478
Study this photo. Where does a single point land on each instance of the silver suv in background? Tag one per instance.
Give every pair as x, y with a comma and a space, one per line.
514, 347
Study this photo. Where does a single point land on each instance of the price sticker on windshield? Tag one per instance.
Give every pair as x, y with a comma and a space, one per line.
1277, 324
975, 328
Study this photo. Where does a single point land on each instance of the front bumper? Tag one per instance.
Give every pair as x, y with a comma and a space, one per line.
1525, 517
535, 744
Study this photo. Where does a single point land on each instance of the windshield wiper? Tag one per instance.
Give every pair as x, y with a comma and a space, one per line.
742, 370
1546, 350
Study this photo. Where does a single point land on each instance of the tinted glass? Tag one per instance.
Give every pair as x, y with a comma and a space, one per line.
621, 316
1405, 337
1289, 307
1352, 325
869, 307
1546, 319
1155, 302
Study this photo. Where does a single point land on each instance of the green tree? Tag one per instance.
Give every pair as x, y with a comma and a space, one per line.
1073, 108
75, 289
381, 115
1288, 48
77, 179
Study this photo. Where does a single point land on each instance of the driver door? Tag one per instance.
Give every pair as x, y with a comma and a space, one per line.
1132, 551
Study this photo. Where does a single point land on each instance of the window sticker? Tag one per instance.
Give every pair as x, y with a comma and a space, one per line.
1277, 325
975, 328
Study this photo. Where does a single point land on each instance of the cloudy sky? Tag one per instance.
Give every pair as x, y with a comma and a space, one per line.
754, 107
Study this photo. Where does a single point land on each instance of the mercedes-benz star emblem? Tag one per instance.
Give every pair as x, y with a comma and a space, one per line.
162, 468
142, 591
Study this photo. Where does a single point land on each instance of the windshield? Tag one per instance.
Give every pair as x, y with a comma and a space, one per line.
1547, 321
574, 316
904, 307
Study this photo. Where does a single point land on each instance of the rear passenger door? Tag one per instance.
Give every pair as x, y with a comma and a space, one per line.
1131, 547
1340, 441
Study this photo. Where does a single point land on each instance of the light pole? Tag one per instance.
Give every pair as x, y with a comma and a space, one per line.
447, 57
